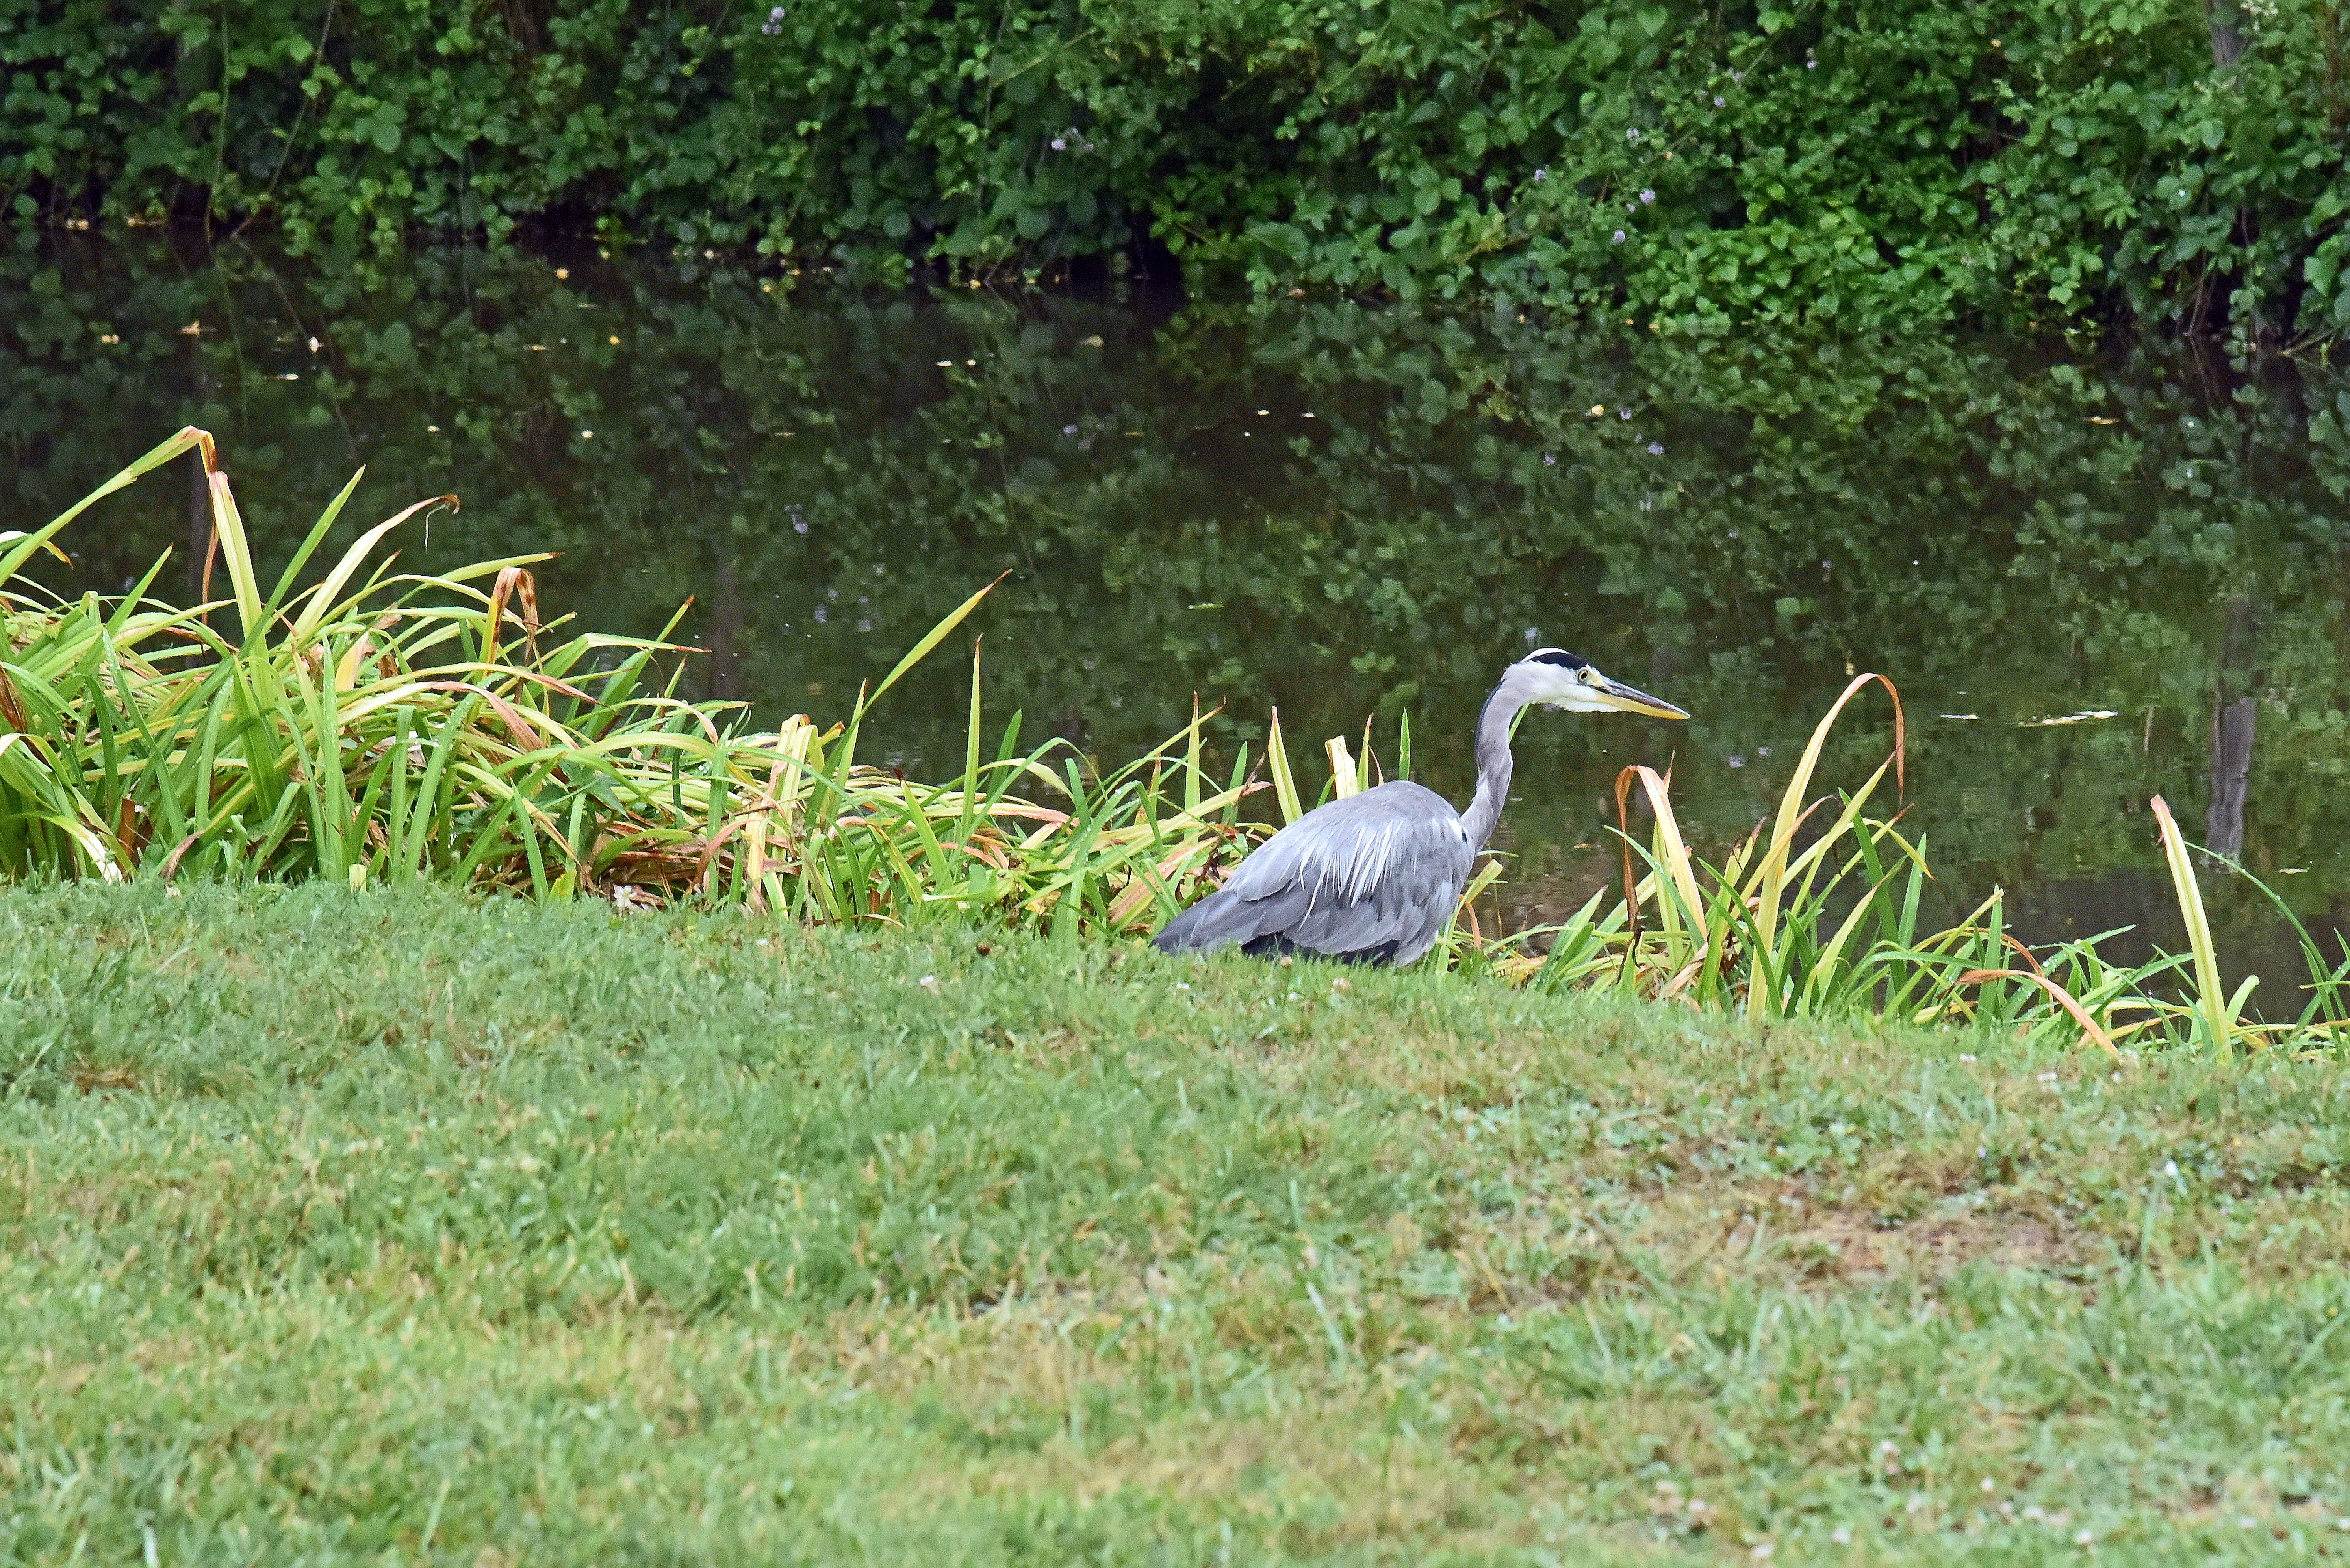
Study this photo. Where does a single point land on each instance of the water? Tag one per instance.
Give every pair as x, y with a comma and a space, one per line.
2096, 575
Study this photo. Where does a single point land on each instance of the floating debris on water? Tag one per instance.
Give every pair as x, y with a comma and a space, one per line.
2080, 717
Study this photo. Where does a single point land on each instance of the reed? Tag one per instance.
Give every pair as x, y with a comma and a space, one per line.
381, 726
387, 727
1817, 914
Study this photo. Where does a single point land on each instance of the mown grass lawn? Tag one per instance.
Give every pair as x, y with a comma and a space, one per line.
368, 1227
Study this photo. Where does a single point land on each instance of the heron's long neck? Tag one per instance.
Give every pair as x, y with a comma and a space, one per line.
1493, 763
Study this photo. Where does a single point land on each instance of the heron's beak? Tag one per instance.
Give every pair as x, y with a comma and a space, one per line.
1630, 699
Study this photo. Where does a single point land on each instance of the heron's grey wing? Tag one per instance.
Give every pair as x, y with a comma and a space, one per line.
1374, 876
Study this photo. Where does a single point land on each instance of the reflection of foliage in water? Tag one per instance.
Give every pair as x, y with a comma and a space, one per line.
2007, 536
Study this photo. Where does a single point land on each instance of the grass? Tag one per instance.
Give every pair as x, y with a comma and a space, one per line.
388, 1226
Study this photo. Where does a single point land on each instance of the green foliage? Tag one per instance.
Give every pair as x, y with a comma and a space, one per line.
1816, 915
401, 728
351, 1227
2007, 536
1718, 165
358, 731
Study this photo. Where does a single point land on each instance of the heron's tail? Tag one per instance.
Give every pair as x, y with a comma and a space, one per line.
1214, 921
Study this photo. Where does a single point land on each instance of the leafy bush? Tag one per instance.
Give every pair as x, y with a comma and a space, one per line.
1897, 164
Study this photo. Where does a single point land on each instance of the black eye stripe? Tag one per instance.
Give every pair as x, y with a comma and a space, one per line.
1557, 656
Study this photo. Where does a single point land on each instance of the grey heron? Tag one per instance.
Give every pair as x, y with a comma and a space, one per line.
1372, 877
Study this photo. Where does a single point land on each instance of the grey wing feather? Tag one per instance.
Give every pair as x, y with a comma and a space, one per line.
1374, 876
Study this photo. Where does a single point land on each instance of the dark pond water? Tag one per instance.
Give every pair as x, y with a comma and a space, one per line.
2096, 574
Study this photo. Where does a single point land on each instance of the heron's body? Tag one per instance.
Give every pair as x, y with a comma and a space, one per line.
1372, 877
1369, 878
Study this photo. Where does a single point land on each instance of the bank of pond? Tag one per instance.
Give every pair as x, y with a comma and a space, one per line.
381, 726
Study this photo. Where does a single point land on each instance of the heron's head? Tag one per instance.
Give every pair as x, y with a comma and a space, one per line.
1556, 677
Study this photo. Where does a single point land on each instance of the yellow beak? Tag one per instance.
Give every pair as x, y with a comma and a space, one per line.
1630, 699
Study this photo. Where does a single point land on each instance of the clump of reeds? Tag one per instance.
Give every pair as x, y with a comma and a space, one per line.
1816, 913
390, 727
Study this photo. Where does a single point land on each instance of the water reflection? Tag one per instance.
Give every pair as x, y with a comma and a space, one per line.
2235, 719
1347, 513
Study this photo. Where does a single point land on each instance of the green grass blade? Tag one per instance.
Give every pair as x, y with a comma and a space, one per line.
2213, 1013
1285, 786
